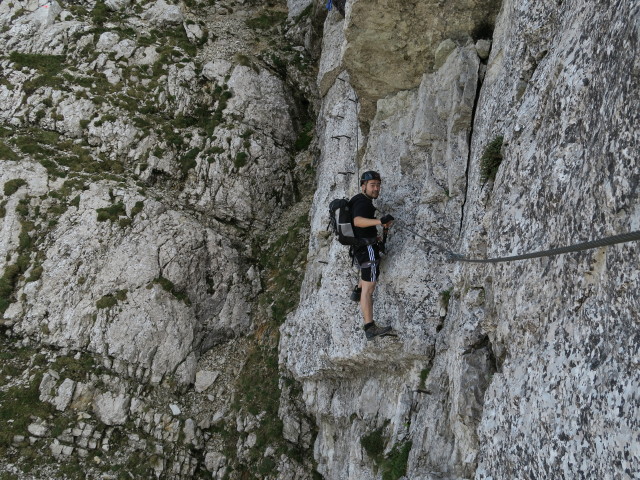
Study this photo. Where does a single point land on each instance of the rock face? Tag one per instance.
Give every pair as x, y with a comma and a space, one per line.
390, 45
502, 371
172, 305
150, 187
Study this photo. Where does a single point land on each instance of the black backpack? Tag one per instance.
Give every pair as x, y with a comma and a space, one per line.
341, 222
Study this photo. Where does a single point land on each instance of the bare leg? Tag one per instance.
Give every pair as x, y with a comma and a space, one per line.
366, 300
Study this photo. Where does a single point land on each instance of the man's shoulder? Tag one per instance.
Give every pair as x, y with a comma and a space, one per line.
359, 198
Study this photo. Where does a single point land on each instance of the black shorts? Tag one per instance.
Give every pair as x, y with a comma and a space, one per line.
368, 259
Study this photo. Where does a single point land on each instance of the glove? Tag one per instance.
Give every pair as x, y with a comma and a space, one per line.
386, 219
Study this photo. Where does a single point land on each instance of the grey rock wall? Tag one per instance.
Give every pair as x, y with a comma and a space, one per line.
155, 185
149, 173
519, 370
563, 401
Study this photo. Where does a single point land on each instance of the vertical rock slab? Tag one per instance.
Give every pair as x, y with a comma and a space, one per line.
561, 89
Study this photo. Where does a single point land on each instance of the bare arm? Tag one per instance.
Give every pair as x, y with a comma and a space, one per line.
362, 222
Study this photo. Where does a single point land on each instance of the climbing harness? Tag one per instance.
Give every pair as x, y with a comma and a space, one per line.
578, 247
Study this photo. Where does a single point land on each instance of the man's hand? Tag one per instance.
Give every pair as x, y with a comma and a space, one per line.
387, 221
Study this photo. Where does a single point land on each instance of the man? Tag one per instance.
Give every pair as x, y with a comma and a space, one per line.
368, 256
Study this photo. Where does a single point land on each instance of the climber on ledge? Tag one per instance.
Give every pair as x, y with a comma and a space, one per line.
368, 256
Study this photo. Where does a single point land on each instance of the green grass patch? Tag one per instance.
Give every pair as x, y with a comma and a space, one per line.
392, 466
48, 67
304, 137
111, 300
6, 153
100, 13
19, 404
137, 208
188, 160
78, 370
240, 159
283, 281
12, 186
44, 64
424, 373
491, 159
169, 286
111, 213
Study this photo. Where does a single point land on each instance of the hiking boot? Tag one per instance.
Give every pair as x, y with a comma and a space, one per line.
355, 295
374, 331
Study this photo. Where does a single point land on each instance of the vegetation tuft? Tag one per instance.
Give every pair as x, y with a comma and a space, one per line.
49, 68
111, 300
111, 213
392, 466
168, 286
304, 138
12, 186
241, 159
6, 153
491, 159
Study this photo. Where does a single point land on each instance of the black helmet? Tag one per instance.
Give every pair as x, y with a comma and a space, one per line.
369, 175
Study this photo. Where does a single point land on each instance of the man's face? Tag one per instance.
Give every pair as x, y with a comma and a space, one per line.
371, 188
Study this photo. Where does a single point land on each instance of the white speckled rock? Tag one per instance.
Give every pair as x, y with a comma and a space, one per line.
111, 409
524, 363
163, 14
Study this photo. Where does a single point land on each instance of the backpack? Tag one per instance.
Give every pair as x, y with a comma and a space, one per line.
340, 222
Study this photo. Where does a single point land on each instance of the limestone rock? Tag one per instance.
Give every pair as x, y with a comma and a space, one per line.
162, 14
295, 7
483, 47
116, 5
389, 46
65, 394
204, 379
442, 52
217, 70
215, 463
112, 409
38, 429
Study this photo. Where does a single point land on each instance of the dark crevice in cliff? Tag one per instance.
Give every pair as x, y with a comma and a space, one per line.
470, 143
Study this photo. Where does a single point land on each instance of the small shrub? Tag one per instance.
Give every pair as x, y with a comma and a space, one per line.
112, 213
36, 273
424, 373
188, 160
12, 186
111, 300
241, 159
107, 301
168, 286
304, 138
100, 13
373, 444
491, 159
395, 465
137, 208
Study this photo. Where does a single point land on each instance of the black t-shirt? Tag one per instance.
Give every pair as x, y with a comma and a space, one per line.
362, 206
